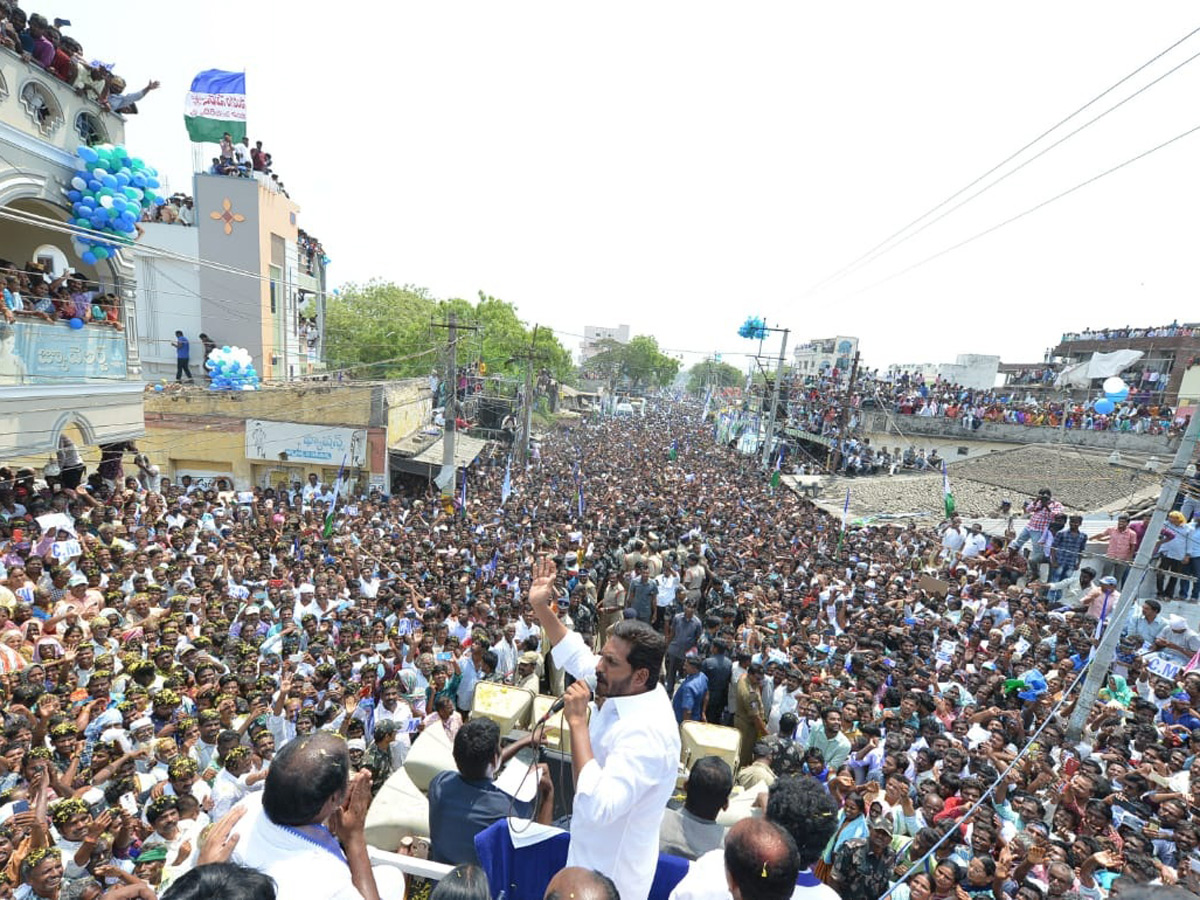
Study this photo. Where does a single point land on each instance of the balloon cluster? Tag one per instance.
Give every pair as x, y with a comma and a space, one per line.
754, 327
107, 194
231, 370
1115, 391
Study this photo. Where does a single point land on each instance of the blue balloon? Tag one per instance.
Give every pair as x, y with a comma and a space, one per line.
1104, 407
74, 196
98, 220
88, 257
75, 323
94, 185
108, 181
139, 180
152, 182
86, 153
1118, 396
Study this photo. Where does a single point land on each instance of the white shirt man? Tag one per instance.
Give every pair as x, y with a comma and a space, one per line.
620, 794
975, 543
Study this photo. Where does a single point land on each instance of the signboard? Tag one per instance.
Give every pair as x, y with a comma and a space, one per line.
934, 586
299, 443
1163, 667
36, 352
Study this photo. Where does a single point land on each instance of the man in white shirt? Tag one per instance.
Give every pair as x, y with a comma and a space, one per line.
626, 759
975, 543
306, 832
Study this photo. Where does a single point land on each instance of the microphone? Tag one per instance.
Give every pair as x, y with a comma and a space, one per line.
557, 705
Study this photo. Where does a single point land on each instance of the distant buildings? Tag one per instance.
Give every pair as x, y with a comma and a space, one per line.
823, 354
593, 334
1169, 372
971, 370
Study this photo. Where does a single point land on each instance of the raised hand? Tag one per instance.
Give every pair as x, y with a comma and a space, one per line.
542, 588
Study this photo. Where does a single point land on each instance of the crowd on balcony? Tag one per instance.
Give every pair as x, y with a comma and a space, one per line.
32, 294
310, 251
42, 42
1129, 333
178, 210
1038, 375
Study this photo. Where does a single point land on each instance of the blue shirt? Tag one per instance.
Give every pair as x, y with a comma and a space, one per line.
459, 809
690, 697
183, 351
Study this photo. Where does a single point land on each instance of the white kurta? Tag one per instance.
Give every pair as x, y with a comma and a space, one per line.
622, 792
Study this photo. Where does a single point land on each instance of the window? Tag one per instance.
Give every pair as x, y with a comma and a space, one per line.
90, 129
41, 107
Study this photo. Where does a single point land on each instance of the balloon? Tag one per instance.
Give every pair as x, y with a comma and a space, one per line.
158, 388
74, 196
1114, 385
1119, 396
100, 253
106, 202
78, 183
86, 153
88, 257
99, 173
94, 185
1104, 407
76, 324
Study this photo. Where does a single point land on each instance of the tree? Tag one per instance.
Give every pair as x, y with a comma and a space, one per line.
382, 330
378, 330
640, 362
712, 372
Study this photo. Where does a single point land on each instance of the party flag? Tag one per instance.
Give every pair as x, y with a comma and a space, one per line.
947, 497
845, 514
216, 104
506, 485
337, 490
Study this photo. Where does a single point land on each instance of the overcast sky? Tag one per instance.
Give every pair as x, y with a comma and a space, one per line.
679, 166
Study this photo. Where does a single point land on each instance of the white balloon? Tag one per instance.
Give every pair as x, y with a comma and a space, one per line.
1114, 385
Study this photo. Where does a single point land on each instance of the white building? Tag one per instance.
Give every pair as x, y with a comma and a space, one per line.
54, 379
971, 370
593, 334
259, 287
824, 354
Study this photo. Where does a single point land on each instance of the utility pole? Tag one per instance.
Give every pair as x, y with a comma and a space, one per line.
767, 444
450, 412
527, 426
844, 415
1115, 620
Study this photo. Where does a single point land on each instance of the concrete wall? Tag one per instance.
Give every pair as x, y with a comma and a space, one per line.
317, 404
972, 370
409, 406
168, 292
952, 430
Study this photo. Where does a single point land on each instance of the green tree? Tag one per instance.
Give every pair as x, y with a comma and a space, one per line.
382, 330
639, 362
378, 330
718, 374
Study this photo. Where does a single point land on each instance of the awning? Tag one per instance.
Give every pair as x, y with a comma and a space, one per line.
429, 460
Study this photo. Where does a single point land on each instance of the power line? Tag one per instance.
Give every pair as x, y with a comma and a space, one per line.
856, 263
1027, 212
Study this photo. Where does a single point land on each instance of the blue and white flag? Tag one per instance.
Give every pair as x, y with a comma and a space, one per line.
506, 485
216, 104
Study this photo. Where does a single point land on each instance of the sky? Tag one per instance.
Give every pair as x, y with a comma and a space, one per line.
679, 166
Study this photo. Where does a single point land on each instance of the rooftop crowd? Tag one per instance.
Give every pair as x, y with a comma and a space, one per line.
43, 43
163, 644
1128, 332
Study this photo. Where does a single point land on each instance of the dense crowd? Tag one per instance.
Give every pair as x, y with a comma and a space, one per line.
32, 293
163, 642
43, 43
1129, 332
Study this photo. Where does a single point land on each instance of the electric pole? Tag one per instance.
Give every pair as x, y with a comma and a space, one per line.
450, 410
845, 414
766, 454
531, 358
1115, 620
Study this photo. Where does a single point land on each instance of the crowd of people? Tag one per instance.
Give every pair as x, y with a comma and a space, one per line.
173, 654
1128, 333
43, 43
178, 210
33, 294
239, 160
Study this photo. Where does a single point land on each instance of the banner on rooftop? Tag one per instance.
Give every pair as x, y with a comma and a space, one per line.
216, 104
